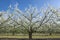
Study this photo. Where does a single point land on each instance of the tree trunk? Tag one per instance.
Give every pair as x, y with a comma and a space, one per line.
13, 33
30, 35
50, 33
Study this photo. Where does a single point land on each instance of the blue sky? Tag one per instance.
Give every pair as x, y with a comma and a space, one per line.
25, 3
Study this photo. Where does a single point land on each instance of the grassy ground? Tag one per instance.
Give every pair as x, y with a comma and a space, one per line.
32, 36
46, 36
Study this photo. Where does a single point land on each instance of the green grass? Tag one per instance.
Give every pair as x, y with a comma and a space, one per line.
32, 36
13, 36
35, 35
46, 36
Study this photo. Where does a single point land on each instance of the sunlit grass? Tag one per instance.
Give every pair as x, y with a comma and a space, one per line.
53, 36
13, 36
35, 35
